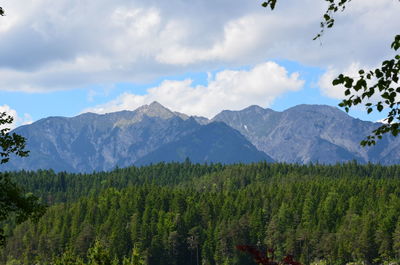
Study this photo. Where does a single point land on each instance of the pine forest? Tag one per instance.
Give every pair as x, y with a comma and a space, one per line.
191, 214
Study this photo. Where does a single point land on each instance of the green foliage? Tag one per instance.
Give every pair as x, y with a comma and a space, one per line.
135, 259
328, 19
14, 202
98, 254
270, 3
338, 214
67, 258
10, 143
383, 81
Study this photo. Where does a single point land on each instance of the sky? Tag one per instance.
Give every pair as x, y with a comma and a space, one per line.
66, 57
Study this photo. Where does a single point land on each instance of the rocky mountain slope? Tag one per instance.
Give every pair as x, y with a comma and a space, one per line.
214, 142
153, 133
310, 133
91, 142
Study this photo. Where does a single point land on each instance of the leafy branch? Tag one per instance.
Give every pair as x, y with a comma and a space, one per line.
10, 143
385, 82
15, 202
328, 20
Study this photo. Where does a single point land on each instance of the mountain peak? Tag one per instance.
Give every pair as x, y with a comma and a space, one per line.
156, 104
254, 107
155, 109
312, 107
257, 109
319, 110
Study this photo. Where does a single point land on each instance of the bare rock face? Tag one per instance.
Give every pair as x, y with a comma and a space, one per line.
214, 142
153, 133
310, 133
93, 142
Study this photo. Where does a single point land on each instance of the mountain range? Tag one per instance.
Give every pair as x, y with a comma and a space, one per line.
152, 133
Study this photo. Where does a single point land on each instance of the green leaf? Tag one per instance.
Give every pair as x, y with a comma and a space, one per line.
348, 82
336, 82
270, 3
378, 73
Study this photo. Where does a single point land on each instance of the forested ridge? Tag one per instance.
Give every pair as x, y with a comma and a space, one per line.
184, 213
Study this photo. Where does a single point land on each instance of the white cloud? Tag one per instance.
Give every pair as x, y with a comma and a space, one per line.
337, 92
240, 37
228, 89
50, 45
25, 119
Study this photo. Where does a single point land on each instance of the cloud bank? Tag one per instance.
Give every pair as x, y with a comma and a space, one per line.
51, 45
228, 89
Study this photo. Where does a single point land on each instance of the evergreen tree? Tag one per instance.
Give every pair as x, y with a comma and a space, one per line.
98, 254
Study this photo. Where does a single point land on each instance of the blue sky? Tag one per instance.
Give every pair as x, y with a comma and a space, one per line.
198, 58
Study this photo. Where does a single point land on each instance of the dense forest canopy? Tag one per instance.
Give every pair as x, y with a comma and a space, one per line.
184, 213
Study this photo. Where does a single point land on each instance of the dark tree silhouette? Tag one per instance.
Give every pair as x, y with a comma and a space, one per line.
13, 200
10, 142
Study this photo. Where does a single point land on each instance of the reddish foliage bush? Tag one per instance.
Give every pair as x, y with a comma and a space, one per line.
264, 258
